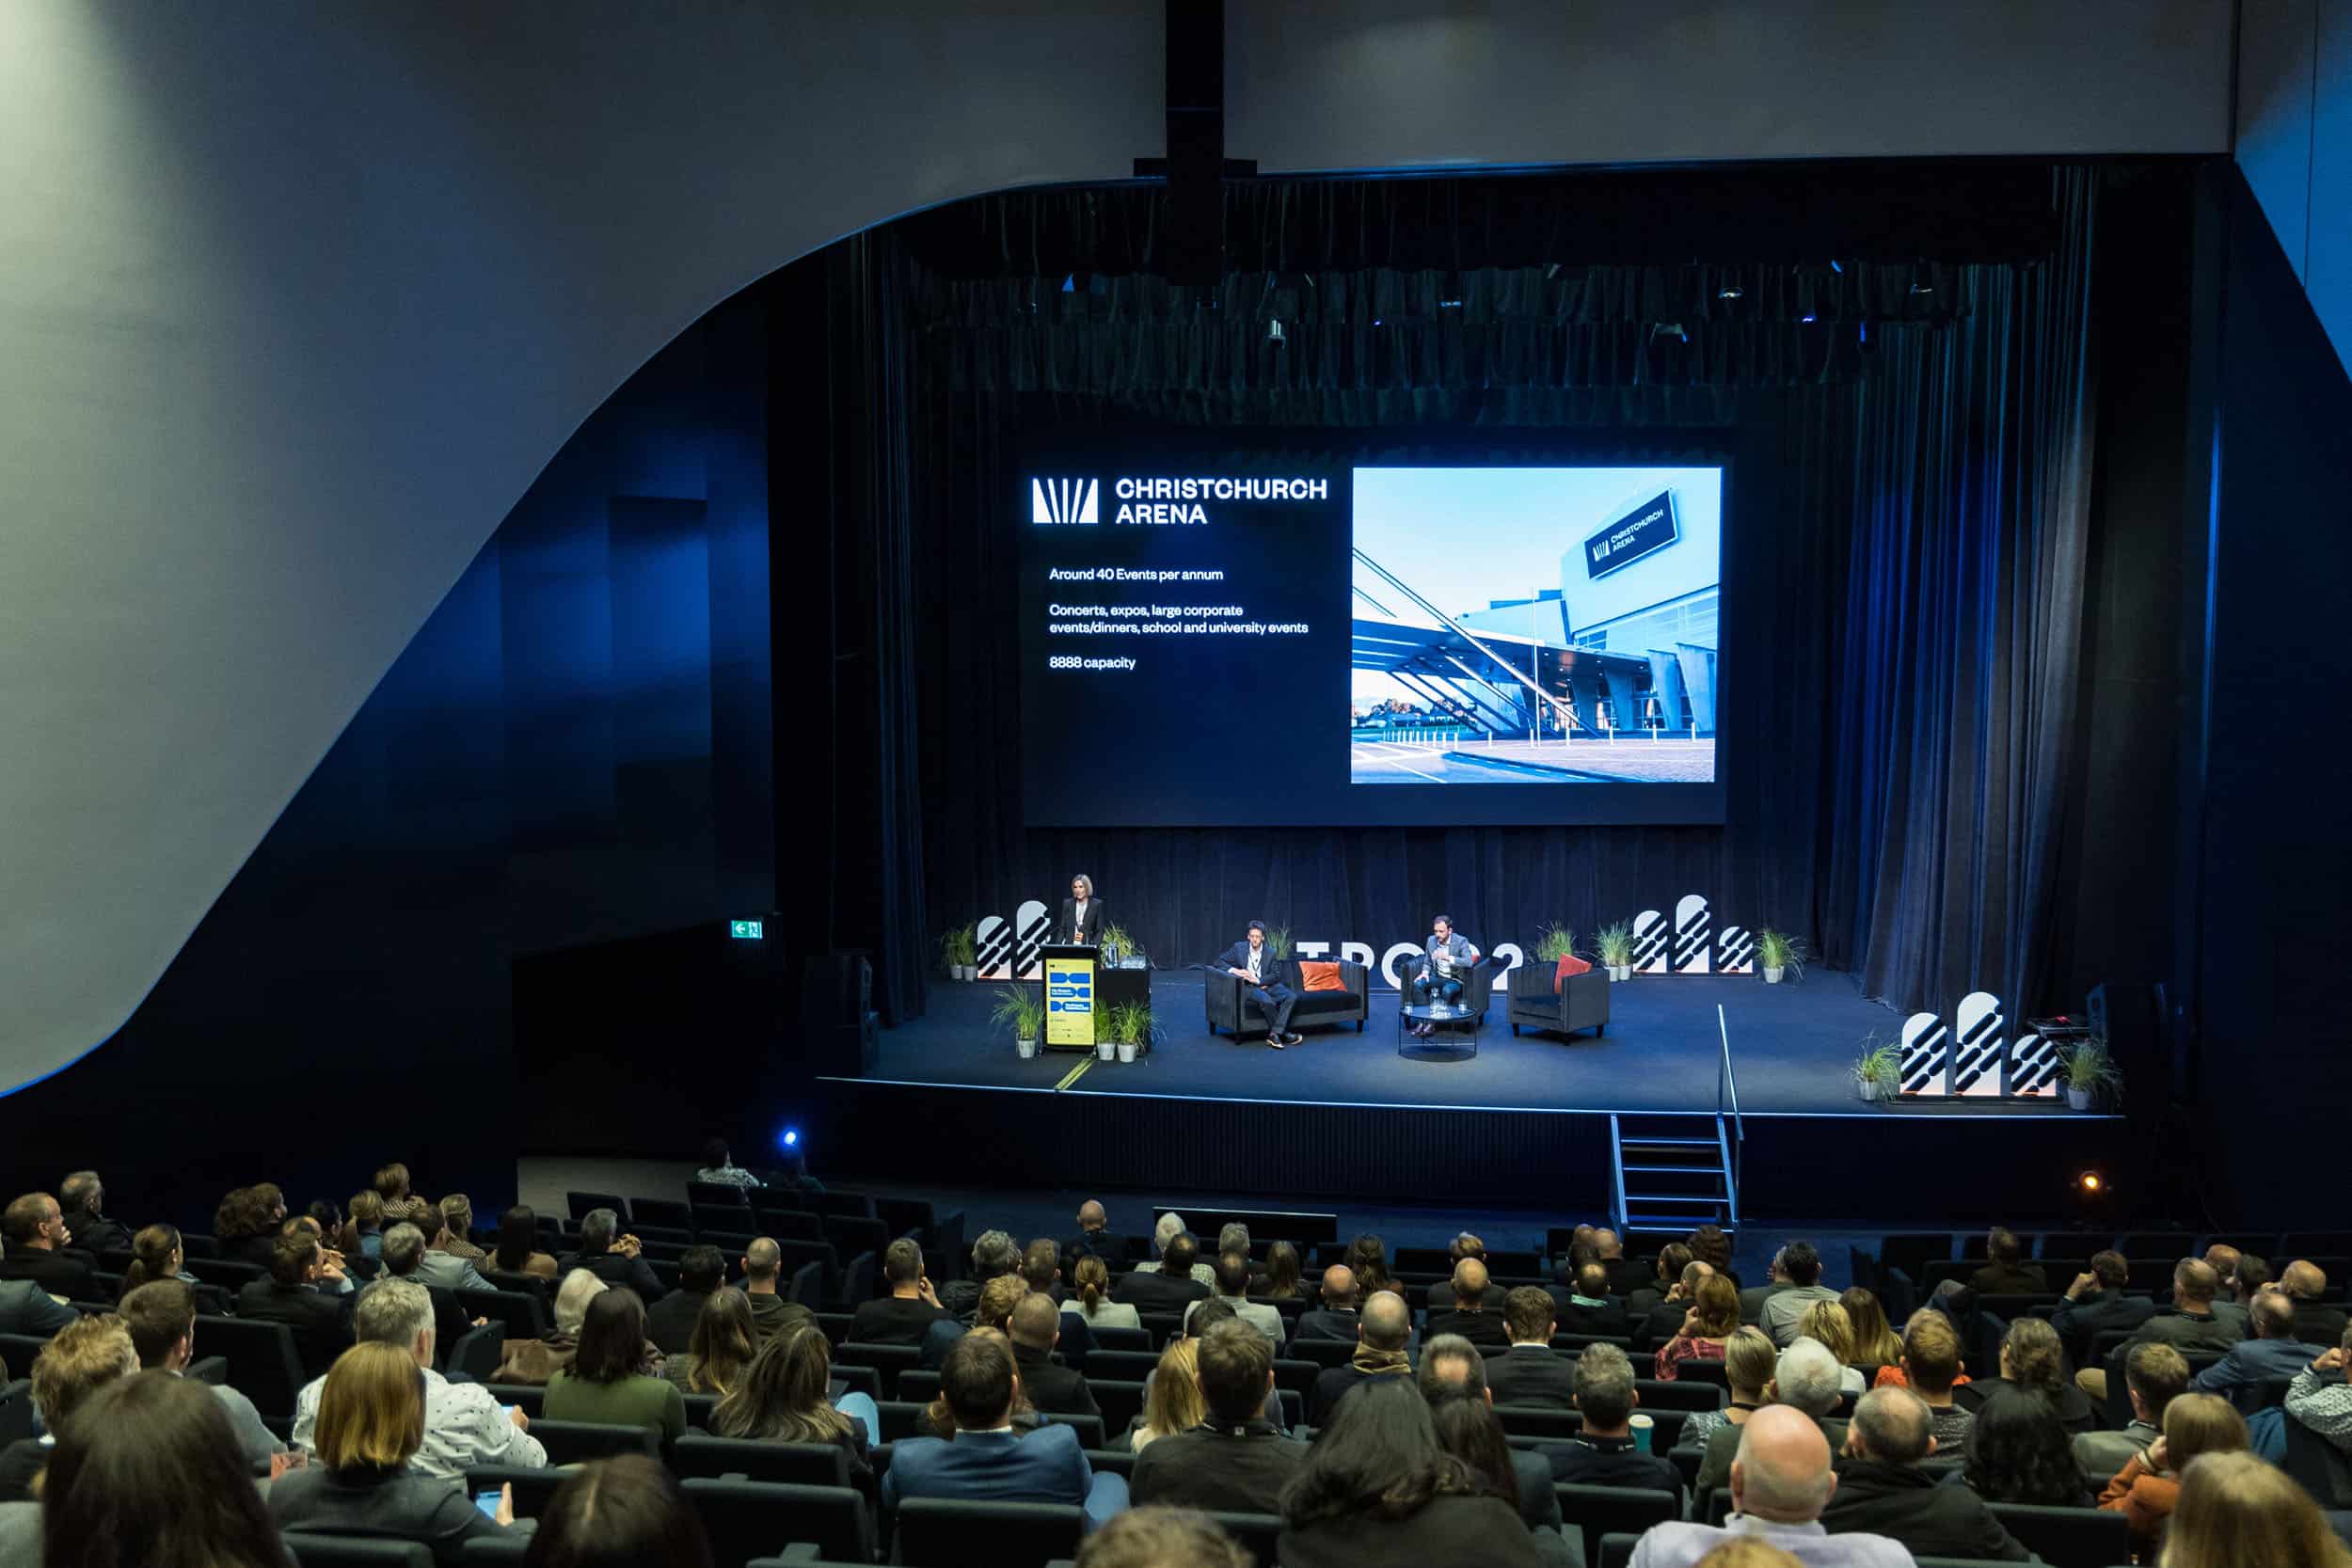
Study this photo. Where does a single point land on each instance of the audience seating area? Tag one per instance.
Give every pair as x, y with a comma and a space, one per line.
762, 1501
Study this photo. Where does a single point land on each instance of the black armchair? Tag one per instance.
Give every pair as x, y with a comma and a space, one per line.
1233, 1011
1581, 1002
1478, 984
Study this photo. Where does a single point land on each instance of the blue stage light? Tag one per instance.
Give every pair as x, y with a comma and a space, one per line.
1069, 284
788, 1138
1808, 318
1836, 267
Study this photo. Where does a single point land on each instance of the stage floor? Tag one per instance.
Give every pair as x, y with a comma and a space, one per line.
1791, 1048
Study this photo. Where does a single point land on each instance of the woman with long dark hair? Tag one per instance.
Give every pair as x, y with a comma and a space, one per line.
1377, 1490
783, 1399
1280, 1280
148, 1472
1368, 1256
517, 1250
2018, 1454
720, 1349
1468, 1429
621, 1512
611, 1378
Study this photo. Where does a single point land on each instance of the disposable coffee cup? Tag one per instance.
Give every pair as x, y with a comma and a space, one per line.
1641, 1426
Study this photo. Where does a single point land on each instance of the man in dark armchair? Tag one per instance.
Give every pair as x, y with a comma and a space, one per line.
1253, 962
1445, 964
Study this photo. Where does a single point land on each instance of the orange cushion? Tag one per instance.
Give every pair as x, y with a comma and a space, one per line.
1322, 975
1568, 965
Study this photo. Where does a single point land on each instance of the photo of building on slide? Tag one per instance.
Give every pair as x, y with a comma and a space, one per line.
1534, 626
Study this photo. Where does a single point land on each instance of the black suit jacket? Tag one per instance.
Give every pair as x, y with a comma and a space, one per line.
1532, 1374
1332, 1385
1216, 1469
615, 1268
96, 1233
2318, 1323
1322, 1322
321, 1323
670, 1322
1904, 1503
1151, 1290
1484, 1329
1607, 1318
68, 1274
1613, 1461
1056, 1391
1109, 1246
2082, 1319
1090, 933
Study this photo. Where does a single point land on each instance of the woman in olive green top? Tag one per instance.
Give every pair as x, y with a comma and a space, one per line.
608, 1380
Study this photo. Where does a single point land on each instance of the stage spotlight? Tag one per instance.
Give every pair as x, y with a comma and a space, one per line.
1731, 291
1837, 265
790, 1138
2091, 1182
1808, 318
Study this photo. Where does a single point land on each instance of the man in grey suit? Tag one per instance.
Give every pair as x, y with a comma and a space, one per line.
27, 1308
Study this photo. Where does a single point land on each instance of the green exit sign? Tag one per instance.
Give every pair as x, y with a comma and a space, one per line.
748, 930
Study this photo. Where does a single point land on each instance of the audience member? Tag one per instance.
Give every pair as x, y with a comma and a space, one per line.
430, 1267
1931, 1368
1035, 1328
1528, 1372
1094, 1239
37, 1239
1385, 1325
1799, 1270
1780, 1481
611, 1256
999, 1297
517, 1250
2148, 1485
149, 1475
1439, 1295
1232, 1285
2032, 1360
161, 1320
720, 1350
2095, 1304
1089, 1298
1664, 1319
533, 1361
1468, 1316
244, 1227
1706, 1325
2273, 1354
1164, 1234
2005, 1271
80, 1358
671, 1322
2190, 1323
370, 1428
1710, 1246
1748, 1363
1232, 1236
295, 1295
463, 1422
1806, 1379
2154, 1375
2320, 1398
612, 1379
1367, 1261
1172, 1400
1337, 1318
763, 1275
1235, 1461
782, 1399
1882, 1489
995, 1255
1162, 1538
81, 1196
1452, 1379
2315, 1322
1667, 1267
1590, 1308
720, 1169
158, 1252
912, 1305
363, 1226
1875, 1345
391, 1183
404, 1258
2018, 1454
1170, 1286
1826, 1321
1604, 1453
1376, 1491
988, 1459
1279, 1280
1040, 1269
27, 1308
626, 1511
457, 1237
2237, 1510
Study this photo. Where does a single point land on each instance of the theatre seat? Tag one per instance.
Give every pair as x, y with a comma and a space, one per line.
1233, 1011
1581, 1002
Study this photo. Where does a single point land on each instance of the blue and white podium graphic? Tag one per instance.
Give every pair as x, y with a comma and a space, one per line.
1068, 1000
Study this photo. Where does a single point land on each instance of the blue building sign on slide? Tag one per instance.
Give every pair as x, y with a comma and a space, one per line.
1642, 532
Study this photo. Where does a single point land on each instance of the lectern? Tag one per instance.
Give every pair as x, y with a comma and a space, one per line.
1070, 1000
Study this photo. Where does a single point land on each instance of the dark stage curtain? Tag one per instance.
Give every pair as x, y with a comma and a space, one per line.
1903, 571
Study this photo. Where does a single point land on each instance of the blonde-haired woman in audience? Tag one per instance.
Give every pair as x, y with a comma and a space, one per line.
2147, 1489
722, 1347
1174, 1403
1749, 1358
1875, 1345
1827, 1322
363, 1227
536, 1360
2240, 1510
1714, 1313
1089, 1296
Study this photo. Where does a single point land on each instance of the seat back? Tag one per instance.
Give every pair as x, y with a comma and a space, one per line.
1119, 1402
748, 1519
1257, 1532
888, 1360
262, 1364
785, 1463
791, 1225
1616, 1549
857, 1278
1130, 1365
1106, 1338
580, 1203
16, 1410
356, 1551
951, 1532
533, 1486
723, 1194
808, 1285
513, 1546
530, 1397
668, 1213
478, 1352
2067, 1537
1089, 1428
226, 1273
1678, 1395
1598, 1510
577, 1442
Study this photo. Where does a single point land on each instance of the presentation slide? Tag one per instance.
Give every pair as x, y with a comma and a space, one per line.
1293, 634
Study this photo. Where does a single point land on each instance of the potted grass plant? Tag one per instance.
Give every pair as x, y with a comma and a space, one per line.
2090, 1074
959, 948
1553, 943
1022, 1009
1777, 953
1878, 1072
1614, 943
1278, 941
1130, 1026
1115, 942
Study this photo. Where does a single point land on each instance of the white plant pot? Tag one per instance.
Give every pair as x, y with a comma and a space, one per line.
1104, 1050
2078, 1100
1623, 971
1772, 977
1026, 1048
1128, 1051
1867, 1088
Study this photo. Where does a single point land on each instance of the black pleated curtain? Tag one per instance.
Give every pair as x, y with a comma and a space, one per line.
1903, 571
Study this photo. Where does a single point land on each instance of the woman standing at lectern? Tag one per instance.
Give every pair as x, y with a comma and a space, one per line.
1081, 914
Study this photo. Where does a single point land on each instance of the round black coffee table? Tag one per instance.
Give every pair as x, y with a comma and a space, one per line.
1456, 1039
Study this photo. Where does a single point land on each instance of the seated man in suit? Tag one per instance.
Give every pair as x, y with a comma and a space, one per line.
1337, 1318
1672, 1258
82, 1196
439, 1268
1232, 1284
1172, 1286
1590, 1308
1236, 1461
1440, 1295
1604, 1454
38, 1237
1446, 958
404, 1258
1470, 1318
1253, 962
1094, 1236
612, 1257
2305, 1282
670, 1322
1385, 1326
2274, 1354
1530, 1372
988, 1459
2154, 1376
1452, 1369
300, 1293
161, 1317
1035, 1328
2005, 1272
2095, 1302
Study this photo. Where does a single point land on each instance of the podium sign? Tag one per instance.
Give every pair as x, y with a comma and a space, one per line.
1069, 998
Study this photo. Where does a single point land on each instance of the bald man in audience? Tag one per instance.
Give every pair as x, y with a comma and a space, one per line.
1780, 1482
1665, 1321
1440, 1295
1034, 1328
1094, 1237
2305, 1283
1473, 1316
1337, 1318
1590, 1308
1883, 1490
2188, 1324
763, 1268
1385, 1326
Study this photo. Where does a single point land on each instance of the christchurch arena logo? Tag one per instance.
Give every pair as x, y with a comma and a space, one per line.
1062, 500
